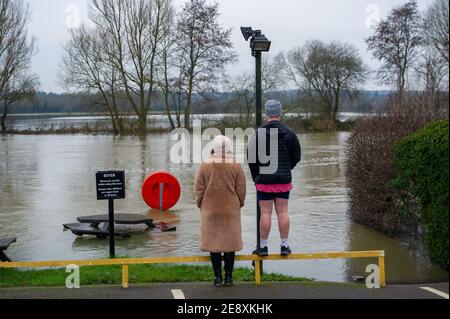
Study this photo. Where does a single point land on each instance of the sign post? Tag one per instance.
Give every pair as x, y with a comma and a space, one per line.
112, 237
111, 186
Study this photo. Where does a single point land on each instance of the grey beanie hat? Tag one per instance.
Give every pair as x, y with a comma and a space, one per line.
273, 108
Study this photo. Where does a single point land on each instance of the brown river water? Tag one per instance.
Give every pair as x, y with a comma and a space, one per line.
46, 181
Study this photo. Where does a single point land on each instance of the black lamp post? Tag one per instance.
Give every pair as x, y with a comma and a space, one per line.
258, 44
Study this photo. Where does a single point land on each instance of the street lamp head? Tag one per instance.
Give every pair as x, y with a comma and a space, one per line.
247, 32
258, 42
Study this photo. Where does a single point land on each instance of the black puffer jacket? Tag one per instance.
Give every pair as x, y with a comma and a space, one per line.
289, 155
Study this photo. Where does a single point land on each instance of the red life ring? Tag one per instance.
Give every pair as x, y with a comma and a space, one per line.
161, 182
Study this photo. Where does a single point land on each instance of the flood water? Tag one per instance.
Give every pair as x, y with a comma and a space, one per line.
46, 181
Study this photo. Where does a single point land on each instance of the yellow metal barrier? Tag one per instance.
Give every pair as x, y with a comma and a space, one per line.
125, 262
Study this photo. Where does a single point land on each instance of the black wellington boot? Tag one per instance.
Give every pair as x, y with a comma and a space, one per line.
229, 265
216, 260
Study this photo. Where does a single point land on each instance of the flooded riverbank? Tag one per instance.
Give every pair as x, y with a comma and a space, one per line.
49, 180
82, 123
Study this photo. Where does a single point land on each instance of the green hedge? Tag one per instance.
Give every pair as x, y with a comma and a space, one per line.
422, 161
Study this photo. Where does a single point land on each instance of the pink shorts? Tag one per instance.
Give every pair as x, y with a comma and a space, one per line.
274, 188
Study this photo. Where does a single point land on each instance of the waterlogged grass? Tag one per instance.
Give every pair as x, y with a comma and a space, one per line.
138, 274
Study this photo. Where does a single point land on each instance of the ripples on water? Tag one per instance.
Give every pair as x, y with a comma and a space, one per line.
50, 180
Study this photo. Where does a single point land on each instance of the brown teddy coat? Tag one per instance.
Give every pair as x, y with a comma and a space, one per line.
220, 190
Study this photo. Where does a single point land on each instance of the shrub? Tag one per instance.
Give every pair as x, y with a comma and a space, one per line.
312, 124
370, 167
422, 160
323, 124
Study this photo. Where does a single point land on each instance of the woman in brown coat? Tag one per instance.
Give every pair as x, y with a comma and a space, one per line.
220, 190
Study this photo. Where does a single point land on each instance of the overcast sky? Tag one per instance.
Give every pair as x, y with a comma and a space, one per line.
288, 23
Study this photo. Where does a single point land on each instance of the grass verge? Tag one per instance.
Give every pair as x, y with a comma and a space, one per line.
138, 274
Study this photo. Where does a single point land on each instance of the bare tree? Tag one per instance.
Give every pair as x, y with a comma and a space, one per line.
172, 80
136, 30
326, 71
16, 51
21, 87
243, 98
433, 65
396, 43
272, 73
243, 88
206, 48
176, 91
436, 27
84, 67
432, 71
164, 78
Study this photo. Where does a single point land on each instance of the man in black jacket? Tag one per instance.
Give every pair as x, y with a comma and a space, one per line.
273, 153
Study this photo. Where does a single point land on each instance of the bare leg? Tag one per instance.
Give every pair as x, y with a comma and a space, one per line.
281, 207
266, 217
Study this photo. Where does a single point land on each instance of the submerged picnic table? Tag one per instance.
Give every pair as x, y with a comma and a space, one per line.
4, 245
123, 219
98, 225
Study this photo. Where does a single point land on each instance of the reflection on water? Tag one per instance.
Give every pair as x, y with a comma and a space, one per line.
46, 181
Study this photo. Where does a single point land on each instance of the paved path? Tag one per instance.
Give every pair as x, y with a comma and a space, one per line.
240, 291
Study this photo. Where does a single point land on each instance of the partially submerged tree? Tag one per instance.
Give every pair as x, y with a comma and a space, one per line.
16, 51
135, 48
205, 46
326, 71
172, 80
129, 36
21, 87
396, 43
85, 68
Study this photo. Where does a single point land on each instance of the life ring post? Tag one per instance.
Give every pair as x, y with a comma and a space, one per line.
161, 197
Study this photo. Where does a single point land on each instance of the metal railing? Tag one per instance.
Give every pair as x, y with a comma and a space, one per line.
125, 262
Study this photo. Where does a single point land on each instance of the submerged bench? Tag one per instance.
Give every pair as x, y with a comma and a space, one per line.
86, 229
4, 245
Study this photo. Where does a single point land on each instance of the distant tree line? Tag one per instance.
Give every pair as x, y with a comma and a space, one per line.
43, 102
